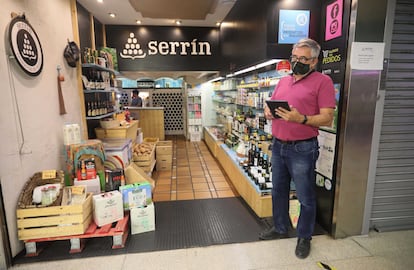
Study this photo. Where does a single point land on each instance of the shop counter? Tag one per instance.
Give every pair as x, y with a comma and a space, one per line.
259, 202
211, 141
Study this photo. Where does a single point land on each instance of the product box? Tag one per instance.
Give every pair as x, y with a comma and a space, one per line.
119, 147
142, 219
92, 185
136, 195
107, 208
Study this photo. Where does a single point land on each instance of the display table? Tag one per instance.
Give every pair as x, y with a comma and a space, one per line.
260, 203
151, 121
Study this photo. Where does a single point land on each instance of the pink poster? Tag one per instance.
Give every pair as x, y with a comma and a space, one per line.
333, 27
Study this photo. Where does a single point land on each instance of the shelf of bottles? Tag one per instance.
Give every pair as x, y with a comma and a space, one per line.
99, 91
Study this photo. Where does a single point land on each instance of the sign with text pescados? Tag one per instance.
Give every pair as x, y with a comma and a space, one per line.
162, 48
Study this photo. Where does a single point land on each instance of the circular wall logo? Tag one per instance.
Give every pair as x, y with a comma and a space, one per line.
26, 46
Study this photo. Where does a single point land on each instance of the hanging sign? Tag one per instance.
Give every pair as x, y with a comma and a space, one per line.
25, 46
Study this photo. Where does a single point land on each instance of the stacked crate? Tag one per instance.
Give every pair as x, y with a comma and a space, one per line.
163, 155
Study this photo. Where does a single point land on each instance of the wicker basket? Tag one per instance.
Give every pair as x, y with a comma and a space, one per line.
26, 196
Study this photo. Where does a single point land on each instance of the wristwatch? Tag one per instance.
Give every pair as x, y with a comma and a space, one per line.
305, 119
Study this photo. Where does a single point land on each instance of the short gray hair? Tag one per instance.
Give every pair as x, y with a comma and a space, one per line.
309, 43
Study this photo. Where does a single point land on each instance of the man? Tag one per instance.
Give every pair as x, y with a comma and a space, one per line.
136, 99
311, 97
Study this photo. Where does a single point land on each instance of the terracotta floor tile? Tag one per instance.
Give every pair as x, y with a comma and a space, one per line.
185, 196
202, 194
163, 181
160, 197
201, 186
211, 186
216, 172
173, 196
162, 188
184, 187
197, 171
199, 180
184, 171
184, 180
221, 185
164, 174
225, 193
218, 178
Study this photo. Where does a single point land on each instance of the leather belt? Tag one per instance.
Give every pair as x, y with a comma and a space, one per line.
295, 142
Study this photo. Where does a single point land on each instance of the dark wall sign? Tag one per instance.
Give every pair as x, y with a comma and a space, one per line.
25, 45
152, 48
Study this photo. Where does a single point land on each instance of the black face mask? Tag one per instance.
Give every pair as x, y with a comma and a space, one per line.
300, 68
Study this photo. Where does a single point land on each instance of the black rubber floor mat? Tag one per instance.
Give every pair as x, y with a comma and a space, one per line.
179, 224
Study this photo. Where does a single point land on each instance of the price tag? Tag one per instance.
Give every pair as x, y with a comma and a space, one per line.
49, 174
78, 190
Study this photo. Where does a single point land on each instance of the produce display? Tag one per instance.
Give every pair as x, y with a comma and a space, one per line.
143, 150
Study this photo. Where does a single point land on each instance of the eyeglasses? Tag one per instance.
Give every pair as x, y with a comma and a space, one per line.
302, 59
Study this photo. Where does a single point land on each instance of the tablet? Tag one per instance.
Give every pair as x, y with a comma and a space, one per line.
274, 104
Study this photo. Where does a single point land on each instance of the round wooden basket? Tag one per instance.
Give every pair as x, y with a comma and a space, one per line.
26, 196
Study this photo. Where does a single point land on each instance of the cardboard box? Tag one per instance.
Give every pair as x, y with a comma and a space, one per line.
107, 208
136, 195
92, 185
123, 132
121, 148
163, 148
142, 219
134, 174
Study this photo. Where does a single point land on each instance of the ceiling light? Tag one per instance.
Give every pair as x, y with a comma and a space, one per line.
215, 79
178, 22
258, 66
112, 15
218, 23
138, 22
99, 1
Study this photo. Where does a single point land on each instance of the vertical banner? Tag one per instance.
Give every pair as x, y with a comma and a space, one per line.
334, 20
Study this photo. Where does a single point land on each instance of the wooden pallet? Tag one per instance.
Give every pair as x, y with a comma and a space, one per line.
119, 234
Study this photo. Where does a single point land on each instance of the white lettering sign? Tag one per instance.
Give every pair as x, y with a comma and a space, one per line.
133, 50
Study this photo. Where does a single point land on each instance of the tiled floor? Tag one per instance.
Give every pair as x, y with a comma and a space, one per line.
195, 174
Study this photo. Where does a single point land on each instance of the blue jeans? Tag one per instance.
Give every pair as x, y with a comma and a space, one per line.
294, 162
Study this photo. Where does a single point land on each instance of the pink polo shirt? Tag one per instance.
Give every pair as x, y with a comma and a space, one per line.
307, 95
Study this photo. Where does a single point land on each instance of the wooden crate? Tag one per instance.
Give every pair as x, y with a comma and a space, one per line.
147, 168
164, 148
124, 132
51, 221
145, 160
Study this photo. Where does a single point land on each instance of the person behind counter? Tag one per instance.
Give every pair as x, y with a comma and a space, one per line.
311, 96
136, 99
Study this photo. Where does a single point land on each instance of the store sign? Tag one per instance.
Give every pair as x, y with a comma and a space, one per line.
165, 48
133, 49
25, 46
293, 25
333, 28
